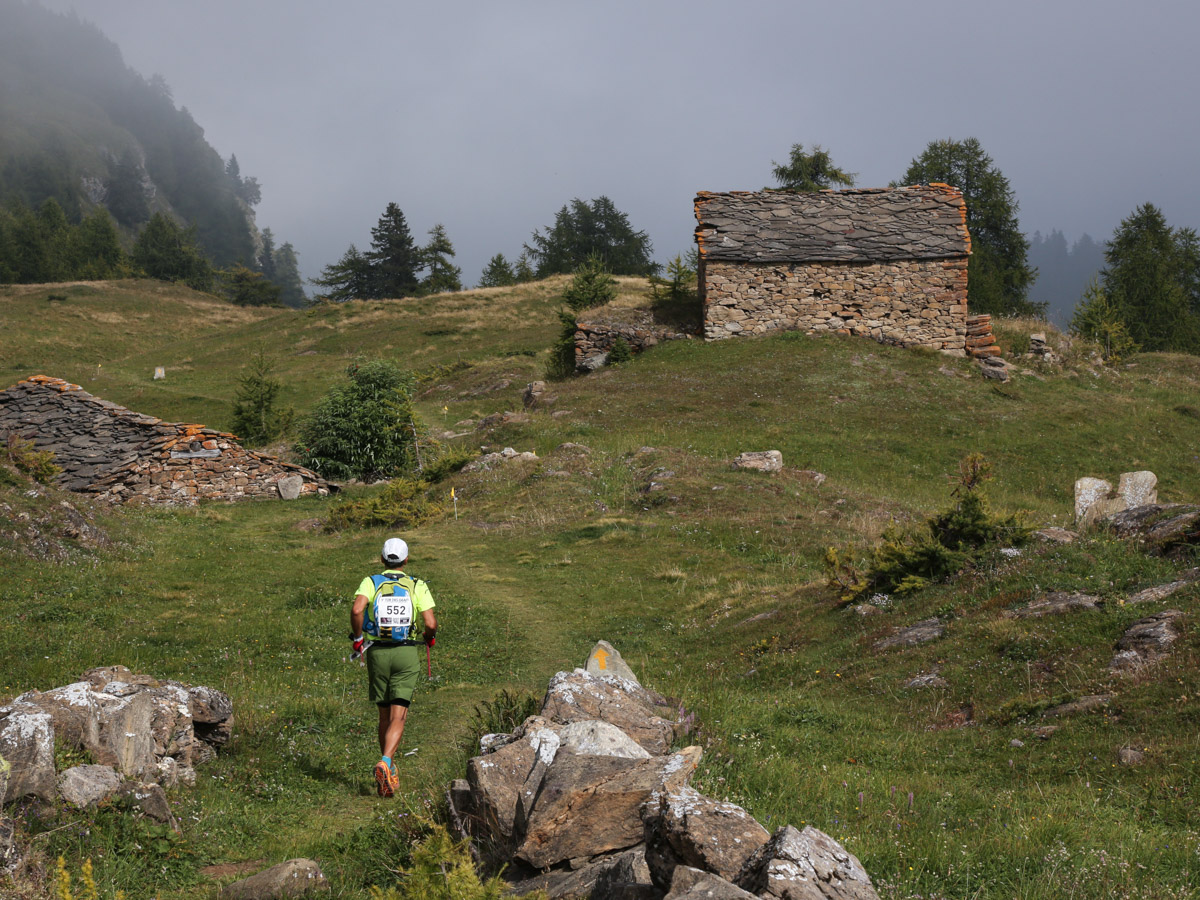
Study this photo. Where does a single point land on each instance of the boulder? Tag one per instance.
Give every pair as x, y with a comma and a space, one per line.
533, 393
1146, 641
621, 876
1128, 756
27, 745
149, 799
10, 852
685, 828
597, 738
496, 780
578, 695
1102, 509
588, 805
1055, 535
1087, 492
693, 884
290, 486
113, 725
1161, 591
805, 865
83, 786
1086, 704
294, 878
760, 461
1138, 489
605, 659
1053, 604
1161, 527
921, 633
928, 680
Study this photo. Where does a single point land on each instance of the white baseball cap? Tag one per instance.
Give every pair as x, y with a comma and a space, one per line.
395, 551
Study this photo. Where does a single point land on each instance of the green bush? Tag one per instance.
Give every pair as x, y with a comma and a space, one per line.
907, 560
442, 870
591, 286
365, 428
37, 464
620, 352
562, 354
446, 464
403, 503
257, 418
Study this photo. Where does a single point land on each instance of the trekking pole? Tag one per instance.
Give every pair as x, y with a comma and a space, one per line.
428, 663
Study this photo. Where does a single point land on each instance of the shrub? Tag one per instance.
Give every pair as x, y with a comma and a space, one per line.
256, 417
365, 428
591, 286
1099, 320
446, 464
907, 560
562, 354
403, 503
37, 464
442, 870
620, 352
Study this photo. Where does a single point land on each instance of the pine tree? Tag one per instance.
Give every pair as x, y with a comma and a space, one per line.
809, 172
350, 278
497, 273
257, 417
266, 257
125, 194
165, 251
582, 230
523, 270
287, 276
394, 258
1152, 277
96, 248
444, 277
998, 274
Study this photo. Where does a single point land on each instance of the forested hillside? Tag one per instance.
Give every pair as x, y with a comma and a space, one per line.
79, 126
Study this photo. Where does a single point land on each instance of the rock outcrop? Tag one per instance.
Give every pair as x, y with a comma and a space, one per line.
138, 727
587, 799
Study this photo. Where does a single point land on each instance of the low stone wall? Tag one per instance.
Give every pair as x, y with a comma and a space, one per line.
594, 340
123, 456
904, 302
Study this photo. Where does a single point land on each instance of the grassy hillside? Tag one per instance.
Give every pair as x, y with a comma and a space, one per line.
708, 580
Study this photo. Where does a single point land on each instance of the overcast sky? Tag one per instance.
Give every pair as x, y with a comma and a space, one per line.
489, 116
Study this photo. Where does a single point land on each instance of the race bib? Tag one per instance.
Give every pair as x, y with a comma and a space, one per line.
395, 611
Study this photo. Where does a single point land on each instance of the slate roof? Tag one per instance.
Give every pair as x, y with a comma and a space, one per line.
925, 221
95, 441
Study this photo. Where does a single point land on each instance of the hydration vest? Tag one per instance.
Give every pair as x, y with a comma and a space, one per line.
389, 616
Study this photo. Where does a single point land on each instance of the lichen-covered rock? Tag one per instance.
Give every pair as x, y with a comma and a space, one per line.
496, 780
1146, 641
294, 878
82, 786
688, 883
805, 865
760, 461
685, 828
605, 659
921, 633
588, 805
580, 696
149, 799
1054, 603
27, 745
1087, 492
596, 738
1161, 527
1138, 489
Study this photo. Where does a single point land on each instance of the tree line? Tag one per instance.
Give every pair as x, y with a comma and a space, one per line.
45, 246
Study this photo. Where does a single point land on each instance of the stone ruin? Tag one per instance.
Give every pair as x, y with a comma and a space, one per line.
595, 337
587, 799
885, 263
126, 457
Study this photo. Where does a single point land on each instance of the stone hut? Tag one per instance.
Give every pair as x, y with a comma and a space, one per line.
885, 263
126, 457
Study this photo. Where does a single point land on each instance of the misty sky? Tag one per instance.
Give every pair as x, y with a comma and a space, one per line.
489, 116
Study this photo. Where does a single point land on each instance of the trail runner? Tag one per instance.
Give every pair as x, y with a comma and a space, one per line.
385, 612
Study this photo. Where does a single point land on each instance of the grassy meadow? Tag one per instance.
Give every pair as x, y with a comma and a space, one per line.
710, 582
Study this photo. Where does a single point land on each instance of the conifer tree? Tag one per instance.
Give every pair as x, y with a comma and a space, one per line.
809, 172
394, 258
287, 276
350, 278
266, 258
582, 230
165, 251
998, 274
443, 276
523, 270
497, 273
96, 248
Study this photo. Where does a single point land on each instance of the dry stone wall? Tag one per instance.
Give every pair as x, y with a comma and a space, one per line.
904, 302
594, 340
126, 457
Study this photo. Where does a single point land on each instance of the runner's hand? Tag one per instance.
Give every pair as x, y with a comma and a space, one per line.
356, 644
430, 641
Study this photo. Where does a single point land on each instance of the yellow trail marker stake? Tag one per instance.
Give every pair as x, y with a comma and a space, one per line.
455, 499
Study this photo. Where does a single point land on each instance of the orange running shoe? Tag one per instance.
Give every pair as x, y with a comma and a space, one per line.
386, 779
